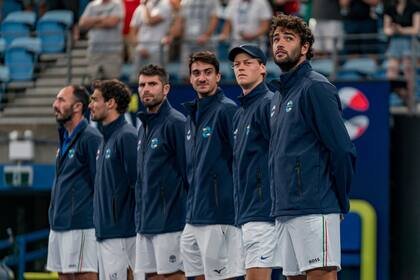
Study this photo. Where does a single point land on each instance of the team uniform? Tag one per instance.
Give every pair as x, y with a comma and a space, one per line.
160, 190
210, 243
311, 163
72, 243
114, 199
251, 125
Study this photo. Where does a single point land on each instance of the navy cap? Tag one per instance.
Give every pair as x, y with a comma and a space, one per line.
252, 50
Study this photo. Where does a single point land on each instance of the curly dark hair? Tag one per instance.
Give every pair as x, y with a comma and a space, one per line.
114, 89
205, 57
298, 26
155, 70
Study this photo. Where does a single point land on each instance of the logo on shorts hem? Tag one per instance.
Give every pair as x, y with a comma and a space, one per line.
219, 271
264, 258
172, 258
113, 276
314, 260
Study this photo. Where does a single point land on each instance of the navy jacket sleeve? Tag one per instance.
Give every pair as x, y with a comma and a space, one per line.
326, 120
264, 117
227, 130
92, 143
128, 146
177, 142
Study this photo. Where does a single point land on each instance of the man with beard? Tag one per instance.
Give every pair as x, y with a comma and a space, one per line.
115, 179
211, 245
72, 242
161, 183
311, 158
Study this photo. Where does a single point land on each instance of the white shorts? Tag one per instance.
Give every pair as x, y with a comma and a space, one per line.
326, 33
308, 242
72, 251
159, 253
115, 256
259, 241
214, 251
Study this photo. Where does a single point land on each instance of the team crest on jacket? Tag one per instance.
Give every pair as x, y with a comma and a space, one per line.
71, 153
289, 106
248, 129
108, 153
206, 132
98, 152
154, 143
235, 134
138, 145
273, 111
189, 134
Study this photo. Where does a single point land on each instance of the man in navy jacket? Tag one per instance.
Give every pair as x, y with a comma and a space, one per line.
311, 157
72, 242
115, 179
251, 130
210, 244
161, 183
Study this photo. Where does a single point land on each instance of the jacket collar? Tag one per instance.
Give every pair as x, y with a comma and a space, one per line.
108, 130
202, 104
289, 79
147, 117
248, 99
79, 127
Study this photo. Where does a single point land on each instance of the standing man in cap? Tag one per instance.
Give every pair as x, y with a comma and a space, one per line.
311, 158
72, 242
115, 179
251, 132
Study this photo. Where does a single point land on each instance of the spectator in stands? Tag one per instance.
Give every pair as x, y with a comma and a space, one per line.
66, 5
195, 24
401, 24
150, 23
72, 243
248, 21
360, 18
104, 20
129, 7
327, 26
288, 7
115, 179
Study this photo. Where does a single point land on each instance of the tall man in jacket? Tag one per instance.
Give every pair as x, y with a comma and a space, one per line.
210, 244
161, 182
311, 157
72, 242
251, 126
115, 180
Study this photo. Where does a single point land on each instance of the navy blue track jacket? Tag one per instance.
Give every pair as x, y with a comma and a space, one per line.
312, 158
251, 125
115, 179
161, 183
72, 191
208, 144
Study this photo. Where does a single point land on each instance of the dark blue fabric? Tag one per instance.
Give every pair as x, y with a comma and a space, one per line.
311, 158
72, 191
251, 125
208, 144
161, 183
116, 173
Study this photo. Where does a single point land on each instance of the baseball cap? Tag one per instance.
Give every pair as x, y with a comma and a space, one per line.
252, 50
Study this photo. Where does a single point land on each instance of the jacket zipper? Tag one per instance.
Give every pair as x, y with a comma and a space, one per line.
216, 192
259, 185
298, 177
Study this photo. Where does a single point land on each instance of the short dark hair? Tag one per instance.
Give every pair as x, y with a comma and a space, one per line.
155, 70
296, 25
81, 95
114, 89
205, 57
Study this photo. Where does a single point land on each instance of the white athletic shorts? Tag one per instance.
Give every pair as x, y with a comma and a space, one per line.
72, 251
308, 242
159, 253
214, 251
115, 256
259, 241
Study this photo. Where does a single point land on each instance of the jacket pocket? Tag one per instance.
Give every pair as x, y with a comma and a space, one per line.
298, 171
216, 190
258, 184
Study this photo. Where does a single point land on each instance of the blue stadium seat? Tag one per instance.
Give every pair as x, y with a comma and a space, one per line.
351, 240
52, 28
2, 46
364, 65
10, 6
325, 66
17, 24
21, 58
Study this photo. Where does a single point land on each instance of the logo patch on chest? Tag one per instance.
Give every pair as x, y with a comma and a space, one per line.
71, 153
289, 106
206, 133
108, 153
189, 134
154, 143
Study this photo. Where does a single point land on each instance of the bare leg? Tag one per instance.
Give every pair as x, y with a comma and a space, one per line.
78, 276
326, 273
258, 273
179, 275
297, 277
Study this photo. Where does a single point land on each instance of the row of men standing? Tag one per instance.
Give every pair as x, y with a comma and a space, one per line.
218, 194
